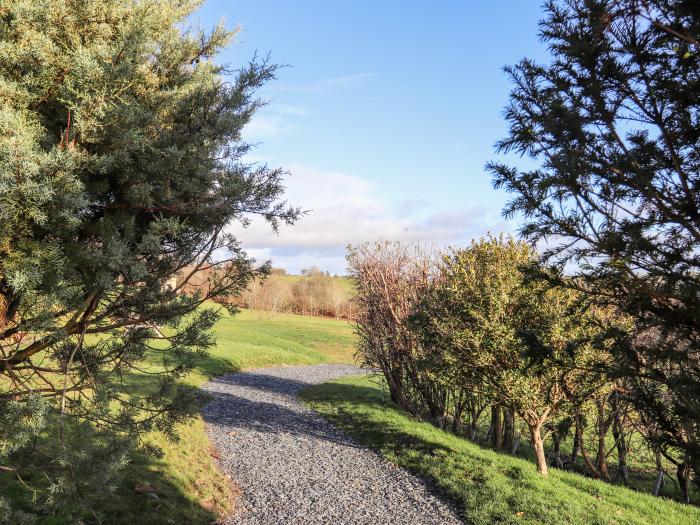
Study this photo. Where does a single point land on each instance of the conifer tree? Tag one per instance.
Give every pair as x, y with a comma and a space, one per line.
120, 172
614, 123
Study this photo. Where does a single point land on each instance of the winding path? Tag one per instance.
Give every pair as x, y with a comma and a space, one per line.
294, 467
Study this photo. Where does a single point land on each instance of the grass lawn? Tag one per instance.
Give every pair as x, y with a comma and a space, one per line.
187, 486
489, 487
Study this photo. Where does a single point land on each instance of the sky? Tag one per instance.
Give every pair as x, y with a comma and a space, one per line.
384, 116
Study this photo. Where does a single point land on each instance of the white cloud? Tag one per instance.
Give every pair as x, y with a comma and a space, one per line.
264, 126
344, 209
274, 120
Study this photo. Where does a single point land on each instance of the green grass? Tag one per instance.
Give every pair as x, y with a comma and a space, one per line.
187, 485
191, 489
489, 487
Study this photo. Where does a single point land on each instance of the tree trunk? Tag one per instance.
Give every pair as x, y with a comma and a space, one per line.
474, 413
683, 475
393, 379
516, 443
601, 460
556, 450
508, 429
473, 426
496, 427
457, 417
619, 435
576, 448
582, 447
659, 475
538, 448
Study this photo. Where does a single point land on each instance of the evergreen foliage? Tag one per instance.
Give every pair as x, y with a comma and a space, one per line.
120, 167
614, 123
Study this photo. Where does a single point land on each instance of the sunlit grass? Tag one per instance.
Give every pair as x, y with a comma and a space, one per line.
185, 486
489, 487
187, 479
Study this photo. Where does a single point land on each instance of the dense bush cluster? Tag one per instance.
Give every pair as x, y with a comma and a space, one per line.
484, 342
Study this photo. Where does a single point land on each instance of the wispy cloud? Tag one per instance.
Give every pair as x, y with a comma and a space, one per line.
344, 209
347, 80
274, 120
265, 126
295, 111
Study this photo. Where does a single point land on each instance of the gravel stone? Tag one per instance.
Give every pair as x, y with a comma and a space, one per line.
294, 467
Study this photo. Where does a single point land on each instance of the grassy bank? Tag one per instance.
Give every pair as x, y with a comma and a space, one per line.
489, 487
184, 486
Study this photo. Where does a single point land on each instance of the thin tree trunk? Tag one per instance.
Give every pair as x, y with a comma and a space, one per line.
475, 412
601, 461
619, 435
473, 426
683, 475
582, 448
496, 426
508, 429
659, 475
576, 448
538, 448
516, 443
459, 410
556, 450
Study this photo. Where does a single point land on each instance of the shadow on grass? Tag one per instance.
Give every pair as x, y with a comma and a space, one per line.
206, 369
392, 442
179, 488
145, 496
487, 486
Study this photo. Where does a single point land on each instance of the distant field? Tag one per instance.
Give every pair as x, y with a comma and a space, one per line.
345, 282
488, 486
187, 486
254, 339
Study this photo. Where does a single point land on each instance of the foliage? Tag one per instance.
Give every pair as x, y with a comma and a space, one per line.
488, 327
488, 318
313, 293
613, 122
309, 294
389, 279
120, 165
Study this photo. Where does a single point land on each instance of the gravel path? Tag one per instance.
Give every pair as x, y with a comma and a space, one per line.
294, 467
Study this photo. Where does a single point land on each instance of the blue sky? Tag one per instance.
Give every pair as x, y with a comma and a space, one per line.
385, 117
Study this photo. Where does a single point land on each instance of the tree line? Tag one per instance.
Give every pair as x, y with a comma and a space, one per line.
313, 293
483, 341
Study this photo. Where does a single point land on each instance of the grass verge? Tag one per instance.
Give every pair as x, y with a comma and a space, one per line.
185, 485
189, 486
489, 487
